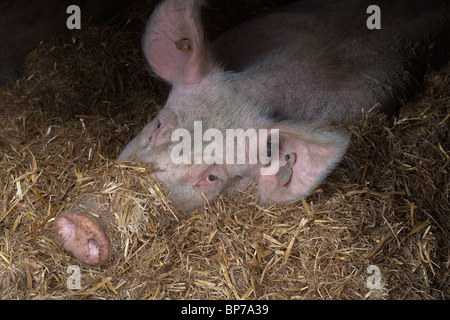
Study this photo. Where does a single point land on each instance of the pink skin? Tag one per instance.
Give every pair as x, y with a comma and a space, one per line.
292, 70
82, 235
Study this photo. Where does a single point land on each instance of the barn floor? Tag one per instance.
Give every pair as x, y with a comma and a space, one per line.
81, 99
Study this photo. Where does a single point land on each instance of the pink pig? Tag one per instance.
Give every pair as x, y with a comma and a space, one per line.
291, 72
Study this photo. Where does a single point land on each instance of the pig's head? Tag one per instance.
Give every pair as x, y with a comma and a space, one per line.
203, 93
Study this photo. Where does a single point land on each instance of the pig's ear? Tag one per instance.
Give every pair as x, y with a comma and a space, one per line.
306, 155
174, 42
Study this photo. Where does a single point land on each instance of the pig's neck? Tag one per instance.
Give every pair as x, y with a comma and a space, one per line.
273, 89
303, 89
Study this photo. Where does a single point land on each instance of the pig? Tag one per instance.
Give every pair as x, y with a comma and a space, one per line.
292, 72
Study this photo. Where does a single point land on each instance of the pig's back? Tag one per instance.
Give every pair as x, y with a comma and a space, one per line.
319, 55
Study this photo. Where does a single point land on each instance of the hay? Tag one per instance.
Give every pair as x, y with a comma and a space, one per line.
82, 99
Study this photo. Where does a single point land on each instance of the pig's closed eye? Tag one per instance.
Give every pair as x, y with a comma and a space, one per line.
155, 131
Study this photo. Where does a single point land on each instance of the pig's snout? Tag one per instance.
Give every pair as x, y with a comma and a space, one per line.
144, 143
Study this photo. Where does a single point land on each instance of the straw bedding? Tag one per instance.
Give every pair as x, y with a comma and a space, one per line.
83, 98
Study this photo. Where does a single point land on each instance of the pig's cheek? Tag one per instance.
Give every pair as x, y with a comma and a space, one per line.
210, 188
83, 236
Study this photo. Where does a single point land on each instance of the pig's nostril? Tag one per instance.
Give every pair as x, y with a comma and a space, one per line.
93, 248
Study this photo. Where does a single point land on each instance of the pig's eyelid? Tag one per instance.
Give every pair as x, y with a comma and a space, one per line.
210, 178
206, 174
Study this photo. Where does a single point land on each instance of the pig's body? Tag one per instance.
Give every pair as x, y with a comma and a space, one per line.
317, 61
306, 65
